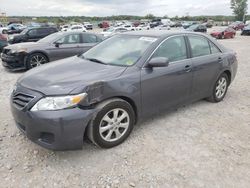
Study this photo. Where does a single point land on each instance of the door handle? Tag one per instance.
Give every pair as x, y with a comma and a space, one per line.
187, 68
219, 58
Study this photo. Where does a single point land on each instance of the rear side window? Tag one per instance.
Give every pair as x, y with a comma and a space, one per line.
70, 39
43, 31
199, 46
89, 38
173, 48
214, 49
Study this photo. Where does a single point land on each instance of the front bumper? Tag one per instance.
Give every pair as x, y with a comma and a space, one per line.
56, 130
13, 61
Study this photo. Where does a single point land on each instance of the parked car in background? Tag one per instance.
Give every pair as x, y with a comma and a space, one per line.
53, 47
102, 93
64, 27
104, 24
88, 25
113, 31
186, 25
246, 30
80, 28
31, 34
155, 22
163, 27
15, 28
129, 27
224, 33
197, 28
208, 24
237, 25
143, 26
3, 41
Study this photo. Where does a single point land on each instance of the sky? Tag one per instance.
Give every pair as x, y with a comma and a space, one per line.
115, 7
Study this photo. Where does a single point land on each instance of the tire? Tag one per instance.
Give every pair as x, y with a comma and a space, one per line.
219, 89
108, 138
4, 32
32, 63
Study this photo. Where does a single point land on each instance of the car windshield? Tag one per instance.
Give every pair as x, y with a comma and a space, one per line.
193, 26
51, 38
120, 50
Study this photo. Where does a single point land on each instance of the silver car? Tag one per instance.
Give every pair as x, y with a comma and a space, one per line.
53, 47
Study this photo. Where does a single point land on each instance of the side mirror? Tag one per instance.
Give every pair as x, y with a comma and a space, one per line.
158, 62
57, 44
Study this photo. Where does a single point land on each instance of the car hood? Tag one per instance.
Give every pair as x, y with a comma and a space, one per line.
26, 45
68, 75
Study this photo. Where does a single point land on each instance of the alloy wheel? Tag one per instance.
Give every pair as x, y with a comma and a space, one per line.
114, 125
221, 87
37, 60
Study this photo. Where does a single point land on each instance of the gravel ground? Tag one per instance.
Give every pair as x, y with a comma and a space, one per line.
199, 145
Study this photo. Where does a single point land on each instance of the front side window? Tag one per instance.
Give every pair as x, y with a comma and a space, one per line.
199, 46
173, 48
69, 39
32, 32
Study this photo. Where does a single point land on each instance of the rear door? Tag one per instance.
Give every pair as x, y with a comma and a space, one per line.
163, 87
206, 58
88, 40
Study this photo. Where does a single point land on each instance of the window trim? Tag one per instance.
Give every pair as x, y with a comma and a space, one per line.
66, 36
208, 40
169, 37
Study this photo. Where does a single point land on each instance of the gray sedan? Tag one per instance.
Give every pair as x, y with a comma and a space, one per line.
104, 92
53, 47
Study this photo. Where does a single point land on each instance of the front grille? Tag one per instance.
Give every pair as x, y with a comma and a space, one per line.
21, 100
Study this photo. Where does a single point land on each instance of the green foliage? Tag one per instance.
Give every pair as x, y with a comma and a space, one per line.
239, 8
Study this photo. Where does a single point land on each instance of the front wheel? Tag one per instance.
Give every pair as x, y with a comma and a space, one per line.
113, 123
220, 89
35, 60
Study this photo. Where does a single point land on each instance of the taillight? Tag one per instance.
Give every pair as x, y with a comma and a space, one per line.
3, 37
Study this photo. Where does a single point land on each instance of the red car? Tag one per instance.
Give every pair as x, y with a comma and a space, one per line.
224, 33
3, 41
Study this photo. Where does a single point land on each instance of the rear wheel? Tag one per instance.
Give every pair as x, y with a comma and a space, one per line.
112, 124
36, 60
220, 89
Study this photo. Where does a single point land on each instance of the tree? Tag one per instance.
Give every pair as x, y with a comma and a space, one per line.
239, 8
150, 16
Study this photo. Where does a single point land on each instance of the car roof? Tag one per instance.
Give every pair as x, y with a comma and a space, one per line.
159, 33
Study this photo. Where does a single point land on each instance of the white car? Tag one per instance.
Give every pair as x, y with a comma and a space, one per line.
163, 27
88, 25
129, 27
143, 27
113, 31
64, 27
76, 28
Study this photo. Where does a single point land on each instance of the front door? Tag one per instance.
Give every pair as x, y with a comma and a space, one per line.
164, 87
67, 46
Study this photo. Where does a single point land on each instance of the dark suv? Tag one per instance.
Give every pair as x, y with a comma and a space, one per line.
32, 34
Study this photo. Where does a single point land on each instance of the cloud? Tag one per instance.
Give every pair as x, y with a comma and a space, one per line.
114, 7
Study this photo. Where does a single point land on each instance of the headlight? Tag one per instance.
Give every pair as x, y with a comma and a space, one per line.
18, 50
58, 103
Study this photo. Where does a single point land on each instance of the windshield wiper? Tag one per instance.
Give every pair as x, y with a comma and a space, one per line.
96, 60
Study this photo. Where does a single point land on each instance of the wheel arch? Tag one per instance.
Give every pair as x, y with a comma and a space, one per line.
40, 52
